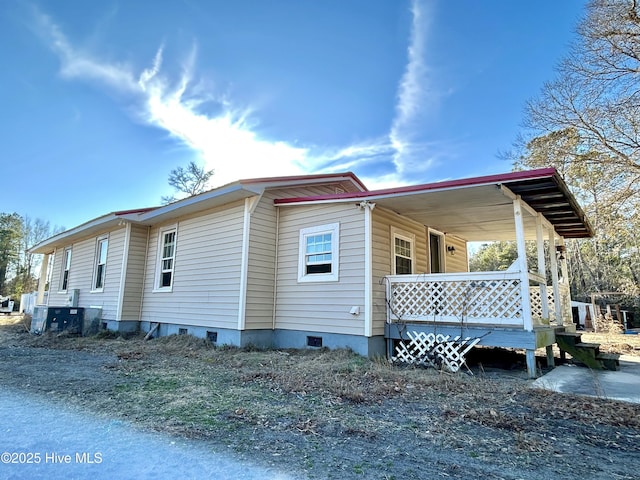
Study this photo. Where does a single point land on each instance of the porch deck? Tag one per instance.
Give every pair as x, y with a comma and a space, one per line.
502, 309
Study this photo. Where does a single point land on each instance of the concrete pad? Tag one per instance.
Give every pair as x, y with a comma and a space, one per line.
623, 385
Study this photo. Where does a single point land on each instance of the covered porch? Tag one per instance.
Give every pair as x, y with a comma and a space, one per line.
521, 307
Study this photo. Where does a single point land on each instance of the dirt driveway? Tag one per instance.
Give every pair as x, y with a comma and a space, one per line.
329, 414
66, 442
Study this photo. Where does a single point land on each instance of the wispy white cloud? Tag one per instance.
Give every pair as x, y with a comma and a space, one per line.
227, 141
415, 98
224, 142
77, 64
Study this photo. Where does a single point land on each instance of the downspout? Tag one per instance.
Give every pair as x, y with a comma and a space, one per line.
275, 270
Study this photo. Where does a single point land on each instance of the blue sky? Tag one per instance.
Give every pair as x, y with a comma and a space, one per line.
101, 99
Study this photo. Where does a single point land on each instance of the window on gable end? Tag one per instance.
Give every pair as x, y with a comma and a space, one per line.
100, 268
166, 259
66, 268
318, 253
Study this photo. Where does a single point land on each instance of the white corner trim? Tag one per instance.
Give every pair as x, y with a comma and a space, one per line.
123, 271
249, 204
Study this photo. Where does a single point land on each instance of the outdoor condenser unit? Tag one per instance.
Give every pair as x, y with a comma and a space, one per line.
67, 319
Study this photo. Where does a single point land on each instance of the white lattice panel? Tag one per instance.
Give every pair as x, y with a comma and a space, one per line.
434, 350
536, 302
499, 299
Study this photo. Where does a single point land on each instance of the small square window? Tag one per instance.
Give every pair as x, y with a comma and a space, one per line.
403, 252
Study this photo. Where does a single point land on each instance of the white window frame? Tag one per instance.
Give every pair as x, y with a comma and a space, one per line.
408, 237
160, 271
442, 250
97, 263
66, 268
333, 275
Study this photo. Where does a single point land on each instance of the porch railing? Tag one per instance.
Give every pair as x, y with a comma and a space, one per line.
565, 304
475, 298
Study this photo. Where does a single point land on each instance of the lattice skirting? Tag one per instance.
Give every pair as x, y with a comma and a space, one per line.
434, 350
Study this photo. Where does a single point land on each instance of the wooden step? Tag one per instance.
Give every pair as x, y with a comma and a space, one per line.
610, 361
590, 348
569, 338
582, 352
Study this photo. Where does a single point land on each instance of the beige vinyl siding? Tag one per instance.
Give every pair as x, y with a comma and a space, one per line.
321, 306
382, 222
134, 276
261, 265
262, 251
206, 277
108, 297
458, 262
83, 258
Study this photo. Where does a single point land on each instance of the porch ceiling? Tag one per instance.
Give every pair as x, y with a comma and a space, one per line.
481, 213
484, 212
480, 208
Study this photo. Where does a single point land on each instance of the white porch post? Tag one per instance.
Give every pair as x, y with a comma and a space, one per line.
368, 275
554, 277
542, 267
42, 282
522, 265
565, 281
563, 264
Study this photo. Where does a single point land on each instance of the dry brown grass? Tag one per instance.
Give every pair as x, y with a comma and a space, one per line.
624, 344
315, 407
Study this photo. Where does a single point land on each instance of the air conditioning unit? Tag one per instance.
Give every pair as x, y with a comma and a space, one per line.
73, 297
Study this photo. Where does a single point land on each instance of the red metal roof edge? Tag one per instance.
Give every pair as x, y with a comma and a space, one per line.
463, 182
319, 176
134, 210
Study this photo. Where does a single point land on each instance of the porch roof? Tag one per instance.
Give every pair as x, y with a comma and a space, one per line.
479, 208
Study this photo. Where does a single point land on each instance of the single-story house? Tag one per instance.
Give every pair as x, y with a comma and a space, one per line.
320, 260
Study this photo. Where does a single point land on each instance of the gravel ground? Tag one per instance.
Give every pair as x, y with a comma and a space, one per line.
304, 414
42, 439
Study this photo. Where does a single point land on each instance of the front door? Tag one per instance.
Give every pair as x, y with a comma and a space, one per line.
436, 249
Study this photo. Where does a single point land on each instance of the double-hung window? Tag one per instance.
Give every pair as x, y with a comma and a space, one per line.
403, 252
318, 253
66, 268
99, 271
166, 259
